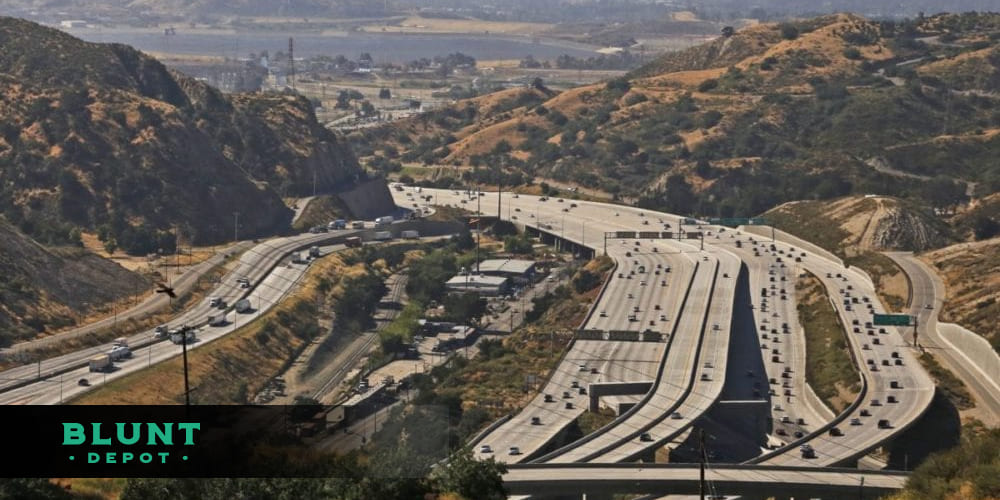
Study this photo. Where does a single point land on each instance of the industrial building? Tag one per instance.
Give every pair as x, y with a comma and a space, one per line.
458, 337
521, 272
479, 283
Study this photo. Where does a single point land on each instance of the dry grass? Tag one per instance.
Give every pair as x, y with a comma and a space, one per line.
829, 369
231, 368
971, 273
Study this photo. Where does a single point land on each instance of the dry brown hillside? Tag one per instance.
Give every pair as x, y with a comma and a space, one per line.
44, 288
971, 272
858, 224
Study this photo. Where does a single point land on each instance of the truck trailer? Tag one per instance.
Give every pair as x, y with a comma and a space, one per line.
352, 242
100, 363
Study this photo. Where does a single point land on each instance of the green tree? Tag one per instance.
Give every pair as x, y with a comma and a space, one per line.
470, 478
31, 487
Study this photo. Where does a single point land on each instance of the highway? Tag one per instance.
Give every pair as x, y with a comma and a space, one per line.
876, 350
54, 380
927, 294
749, 481
696, 340
882, 375
151, 304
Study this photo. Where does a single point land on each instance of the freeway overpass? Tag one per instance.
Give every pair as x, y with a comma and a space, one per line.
603, 481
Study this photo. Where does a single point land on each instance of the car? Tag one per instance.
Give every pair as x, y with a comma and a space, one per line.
569, 405
835, 431
663, 317
798, 434
785, 419
548, 398
583, 368
865, 413
928, 306
891, 399
514, 450
645, 437
884, 424
781, 432
536, 420
604, 314
777, 408
855, 421
83, 382
583, 391
800, 421
876, 402
485, 449
593, 370
705, 377
676, 415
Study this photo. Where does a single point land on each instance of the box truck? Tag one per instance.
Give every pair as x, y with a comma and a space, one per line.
100, 363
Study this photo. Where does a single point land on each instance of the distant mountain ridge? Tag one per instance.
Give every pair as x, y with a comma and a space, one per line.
103, 138
768, 114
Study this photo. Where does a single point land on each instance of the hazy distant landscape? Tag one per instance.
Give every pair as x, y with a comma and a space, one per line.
418, 222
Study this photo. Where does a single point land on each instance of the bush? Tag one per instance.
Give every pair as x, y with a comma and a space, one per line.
788, 31
852, 53
708, 85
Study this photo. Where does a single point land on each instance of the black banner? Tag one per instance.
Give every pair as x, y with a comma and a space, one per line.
195, 441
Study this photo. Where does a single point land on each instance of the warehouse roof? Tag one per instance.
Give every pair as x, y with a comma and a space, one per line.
515, 266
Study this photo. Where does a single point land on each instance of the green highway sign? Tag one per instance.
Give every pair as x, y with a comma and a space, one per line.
892, 320
738, 221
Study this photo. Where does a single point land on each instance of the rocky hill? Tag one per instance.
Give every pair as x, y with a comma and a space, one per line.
43, 288
102, 138
772, 113
856, 224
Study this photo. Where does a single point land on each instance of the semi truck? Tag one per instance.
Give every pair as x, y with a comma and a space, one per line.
297, 258
352, 242
217, 320
383, 235
410, 234
383, 221
100, 363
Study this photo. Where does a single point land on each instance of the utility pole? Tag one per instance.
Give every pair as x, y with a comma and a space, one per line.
701, 479
184, 351
236, 226
861, 489
479, 233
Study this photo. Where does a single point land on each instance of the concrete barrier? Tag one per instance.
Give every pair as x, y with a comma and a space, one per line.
598, 390
975, 348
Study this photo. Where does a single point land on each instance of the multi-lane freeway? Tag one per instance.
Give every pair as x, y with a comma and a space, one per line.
895, 390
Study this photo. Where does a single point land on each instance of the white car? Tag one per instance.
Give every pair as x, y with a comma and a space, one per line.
485, 449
